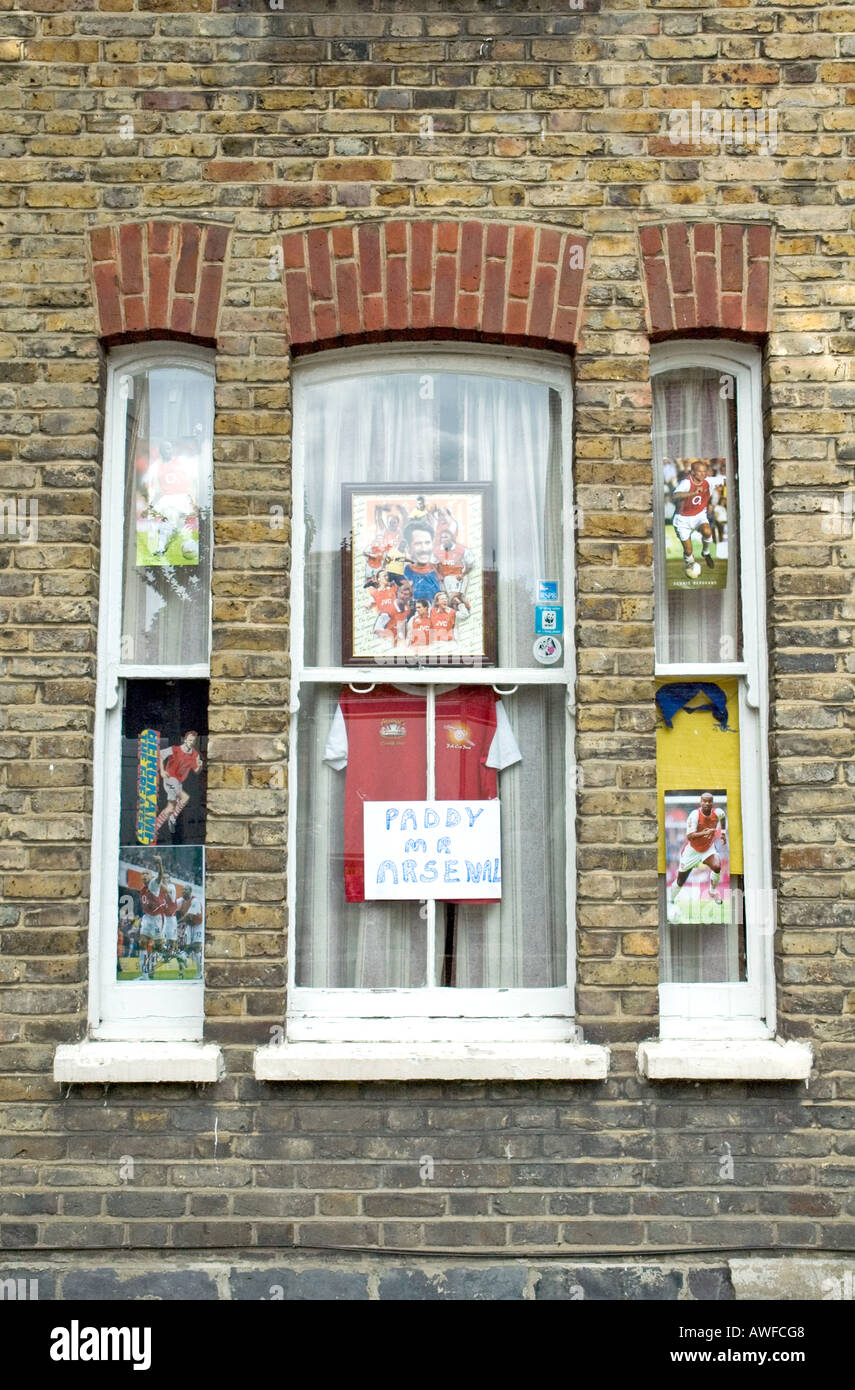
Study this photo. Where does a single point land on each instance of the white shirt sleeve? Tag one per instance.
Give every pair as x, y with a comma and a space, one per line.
692, 823
335, 752
681, 487
504, 750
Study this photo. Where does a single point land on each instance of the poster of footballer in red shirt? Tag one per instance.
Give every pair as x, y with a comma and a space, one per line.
161, 875
697, 879
168, 478
418, 575
696, 522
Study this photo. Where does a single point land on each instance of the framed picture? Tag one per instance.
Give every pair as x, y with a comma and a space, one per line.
418, 575
696, 523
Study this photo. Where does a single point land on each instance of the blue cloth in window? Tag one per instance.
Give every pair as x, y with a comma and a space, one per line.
676, 695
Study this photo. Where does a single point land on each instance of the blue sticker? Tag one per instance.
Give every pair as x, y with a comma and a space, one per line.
549, 619
547, 591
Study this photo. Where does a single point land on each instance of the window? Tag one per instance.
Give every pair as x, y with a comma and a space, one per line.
148, 876
429, 664
717, 913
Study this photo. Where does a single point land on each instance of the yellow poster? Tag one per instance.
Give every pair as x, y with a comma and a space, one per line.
698, 754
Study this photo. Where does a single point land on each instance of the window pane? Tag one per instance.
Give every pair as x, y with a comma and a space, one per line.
520, 942
161, 879
696, 532
409, 429
341, 943
701, 862
517, 942
168, 469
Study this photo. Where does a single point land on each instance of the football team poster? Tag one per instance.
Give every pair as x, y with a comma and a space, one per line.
418, 574
696, 520
697, 875
161, 913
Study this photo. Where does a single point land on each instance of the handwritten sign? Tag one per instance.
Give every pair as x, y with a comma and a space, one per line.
432, 849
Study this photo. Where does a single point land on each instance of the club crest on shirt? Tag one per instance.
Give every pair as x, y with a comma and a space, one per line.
459, 735
393, 730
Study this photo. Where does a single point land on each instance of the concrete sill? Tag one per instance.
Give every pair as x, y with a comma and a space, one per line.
96, 1062
309, 1061
680, 1059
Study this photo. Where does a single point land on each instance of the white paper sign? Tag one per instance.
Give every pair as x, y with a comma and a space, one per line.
432, 849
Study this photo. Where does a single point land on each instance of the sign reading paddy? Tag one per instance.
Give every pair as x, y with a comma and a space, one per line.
448, 850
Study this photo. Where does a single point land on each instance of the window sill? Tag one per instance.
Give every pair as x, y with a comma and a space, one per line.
431, 1062
745, 1060
96, 1062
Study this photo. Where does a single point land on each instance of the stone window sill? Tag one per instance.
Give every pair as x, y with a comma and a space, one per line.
302, 1061
99, 1062
680, 1059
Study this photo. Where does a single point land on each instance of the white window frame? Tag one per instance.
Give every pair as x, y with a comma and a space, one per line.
160, 1012
433, 1014
741, 1009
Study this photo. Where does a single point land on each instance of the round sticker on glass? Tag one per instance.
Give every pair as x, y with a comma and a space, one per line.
547, 650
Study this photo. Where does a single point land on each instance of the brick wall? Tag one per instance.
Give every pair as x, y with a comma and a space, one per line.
271, 123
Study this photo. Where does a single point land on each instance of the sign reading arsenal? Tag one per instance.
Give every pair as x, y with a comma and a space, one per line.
449, 850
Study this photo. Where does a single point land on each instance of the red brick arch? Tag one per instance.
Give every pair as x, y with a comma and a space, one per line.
707, 276
158, 277
503, 282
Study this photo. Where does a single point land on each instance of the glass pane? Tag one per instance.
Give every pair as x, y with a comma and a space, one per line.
696, 533
340, 942
701, 862
409, 431
520, 942
168, 472
161, 878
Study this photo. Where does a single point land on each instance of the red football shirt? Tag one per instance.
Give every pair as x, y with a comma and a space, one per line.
179, 763
153, 904
442, 624
385, 756
175, 477
704, 833
450, 561
697, 501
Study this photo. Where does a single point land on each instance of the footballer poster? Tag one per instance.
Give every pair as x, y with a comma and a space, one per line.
161, 913
167, 502
697, 858
696, 521
164, 763
418, 575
